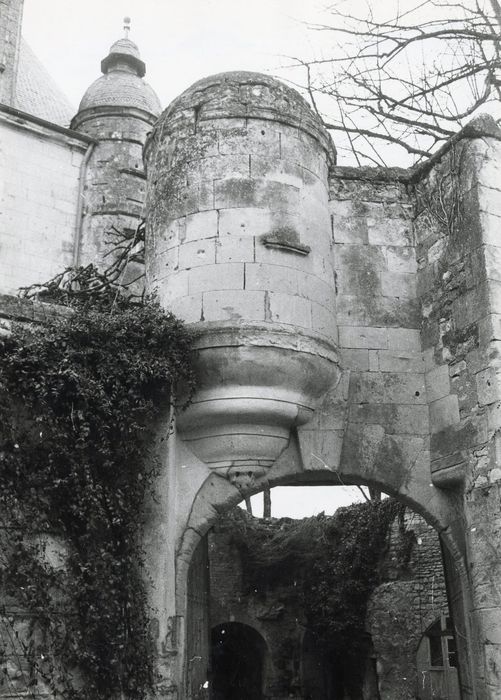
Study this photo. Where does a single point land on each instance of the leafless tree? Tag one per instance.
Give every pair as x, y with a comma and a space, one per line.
397, 81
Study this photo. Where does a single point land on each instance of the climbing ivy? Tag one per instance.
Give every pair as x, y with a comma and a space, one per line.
80, 397
341, 580
331, 564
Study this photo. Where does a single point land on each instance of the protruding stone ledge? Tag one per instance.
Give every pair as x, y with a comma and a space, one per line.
14, 308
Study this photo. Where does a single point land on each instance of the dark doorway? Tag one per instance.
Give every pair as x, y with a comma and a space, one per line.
237, 661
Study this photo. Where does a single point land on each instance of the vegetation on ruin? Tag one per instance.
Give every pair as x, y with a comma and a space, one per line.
332, 564
80, 397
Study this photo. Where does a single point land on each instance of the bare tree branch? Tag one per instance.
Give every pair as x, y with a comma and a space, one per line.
122, 276
405, 81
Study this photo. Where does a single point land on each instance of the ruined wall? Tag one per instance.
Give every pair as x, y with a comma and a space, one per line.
401, 609
275, 613
457, 231
39, 193
457, 278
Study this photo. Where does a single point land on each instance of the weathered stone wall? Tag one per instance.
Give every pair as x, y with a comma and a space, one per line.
401, 609
457, 228
39, 192
377, 306
238, 207
374, 425
115, 181
275, 614
457, 278
11, 12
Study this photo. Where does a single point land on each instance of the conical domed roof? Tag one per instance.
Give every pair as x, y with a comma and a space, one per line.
122, 83
124, 50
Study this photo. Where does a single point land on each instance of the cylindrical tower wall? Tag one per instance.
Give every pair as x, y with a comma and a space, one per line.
117, 111
238, 207
239, 243
115, 183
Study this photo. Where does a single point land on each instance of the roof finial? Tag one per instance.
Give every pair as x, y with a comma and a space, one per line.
126, 27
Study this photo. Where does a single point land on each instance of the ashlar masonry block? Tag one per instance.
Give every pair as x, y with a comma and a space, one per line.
219, 166
196, 227
246, 221
195, 253
293, 310
277, 277
398, 284
282, 170
487, 386
362, 337
392, 361
323, 320
350, 230
384, 387
216, 277
394, 232
438, 383
235, 249
254, 138
233, 305
443, 413
396, 419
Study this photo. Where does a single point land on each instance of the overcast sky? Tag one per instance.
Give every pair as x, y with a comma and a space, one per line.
182, 42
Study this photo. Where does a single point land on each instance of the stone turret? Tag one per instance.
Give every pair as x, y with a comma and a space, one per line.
239, 244
117, 110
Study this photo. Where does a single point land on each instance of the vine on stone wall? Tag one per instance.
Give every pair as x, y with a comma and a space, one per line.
79, 400
439, 194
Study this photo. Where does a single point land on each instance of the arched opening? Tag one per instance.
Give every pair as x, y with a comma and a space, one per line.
293, 661
238, 655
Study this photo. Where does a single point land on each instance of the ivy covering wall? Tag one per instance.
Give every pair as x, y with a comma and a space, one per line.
80, 400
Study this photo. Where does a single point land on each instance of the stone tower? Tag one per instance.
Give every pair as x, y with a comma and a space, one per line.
239, 243
279, 259
117, 111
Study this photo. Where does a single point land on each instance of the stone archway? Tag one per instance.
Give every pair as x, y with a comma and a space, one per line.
218, 494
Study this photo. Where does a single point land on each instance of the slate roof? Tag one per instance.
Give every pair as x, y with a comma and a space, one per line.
37, 93
122, 84
121, 89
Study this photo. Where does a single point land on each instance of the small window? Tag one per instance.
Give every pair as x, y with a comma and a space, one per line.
452, 652
436, 655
